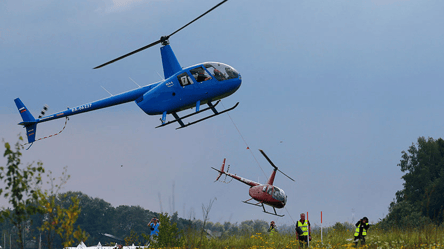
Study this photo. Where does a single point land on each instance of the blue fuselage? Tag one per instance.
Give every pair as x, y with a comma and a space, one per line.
171, 95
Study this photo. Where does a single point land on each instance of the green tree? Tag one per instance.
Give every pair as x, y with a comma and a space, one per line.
260, 226
133, 238
57, 219
66, 219
22, 189
130, 218
169, 235
422, 198
96, 216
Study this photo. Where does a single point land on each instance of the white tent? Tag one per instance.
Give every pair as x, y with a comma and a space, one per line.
99, 246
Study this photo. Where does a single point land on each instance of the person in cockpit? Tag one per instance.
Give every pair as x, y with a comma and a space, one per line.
201, 76
219, 75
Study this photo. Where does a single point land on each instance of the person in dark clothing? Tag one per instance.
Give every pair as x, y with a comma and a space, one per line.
361, 231
201, 76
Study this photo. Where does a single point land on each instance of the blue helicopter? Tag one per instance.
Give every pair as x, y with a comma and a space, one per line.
183, 88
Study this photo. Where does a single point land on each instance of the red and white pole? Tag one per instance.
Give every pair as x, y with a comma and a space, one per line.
308, 230
321, 226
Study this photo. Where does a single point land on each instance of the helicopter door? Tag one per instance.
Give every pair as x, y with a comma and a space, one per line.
184, 79
268, 189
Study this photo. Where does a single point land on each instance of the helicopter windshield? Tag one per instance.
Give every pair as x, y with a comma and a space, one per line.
279, 194
221, 71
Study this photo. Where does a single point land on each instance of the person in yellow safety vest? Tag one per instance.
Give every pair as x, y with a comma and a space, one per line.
361, 230
273, 228
303, 230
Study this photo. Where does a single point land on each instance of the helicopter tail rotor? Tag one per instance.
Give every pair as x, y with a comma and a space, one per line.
163, 40
274, 166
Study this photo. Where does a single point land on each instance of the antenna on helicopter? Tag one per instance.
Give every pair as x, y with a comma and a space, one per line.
161, 78
134, 82
274, 166
163, 40
107, 91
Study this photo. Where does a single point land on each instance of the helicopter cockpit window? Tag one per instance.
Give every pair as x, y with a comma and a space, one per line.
221, 71
184, 79
270, 190
278, 194
200, 74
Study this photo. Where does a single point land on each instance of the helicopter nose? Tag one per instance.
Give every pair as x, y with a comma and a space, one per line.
235, 84
239, 82
228, 87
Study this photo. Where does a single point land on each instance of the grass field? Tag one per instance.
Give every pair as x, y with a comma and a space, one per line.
427, 237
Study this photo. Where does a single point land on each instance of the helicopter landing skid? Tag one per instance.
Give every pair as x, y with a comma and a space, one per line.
275, 213
210, 106
261, 204
215, 114
179, 119
254, 204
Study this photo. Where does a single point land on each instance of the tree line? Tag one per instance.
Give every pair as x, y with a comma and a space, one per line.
62, 219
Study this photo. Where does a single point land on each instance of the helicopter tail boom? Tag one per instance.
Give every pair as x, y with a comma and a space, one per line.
241, 179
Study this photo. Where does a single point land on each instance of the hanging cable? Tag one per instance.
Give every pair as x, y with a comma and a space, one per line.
248, 147
290, 215
66, 121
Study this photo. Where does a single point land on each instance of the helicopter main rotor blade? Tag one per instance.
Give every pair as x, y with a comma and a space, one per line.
268, 159
128, 54
286, 175
219, 4
272, 164
162, 39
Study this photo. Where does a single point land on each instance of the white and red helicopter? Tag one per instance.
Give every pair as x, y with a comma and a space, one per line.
262, 193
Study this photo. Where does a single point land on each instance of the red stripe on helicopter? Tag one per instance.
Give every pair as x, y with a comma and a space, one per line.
24, 110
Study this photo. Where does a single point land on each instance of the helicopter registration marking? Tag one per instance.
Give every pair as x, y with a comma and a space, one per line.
82, 107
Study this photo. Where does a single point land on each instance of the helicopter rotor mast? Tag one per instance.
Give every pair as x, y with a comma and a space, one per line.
164, 40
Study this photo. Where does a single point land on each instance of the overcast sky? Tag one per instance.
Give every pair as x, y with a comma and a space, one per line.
332, 91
